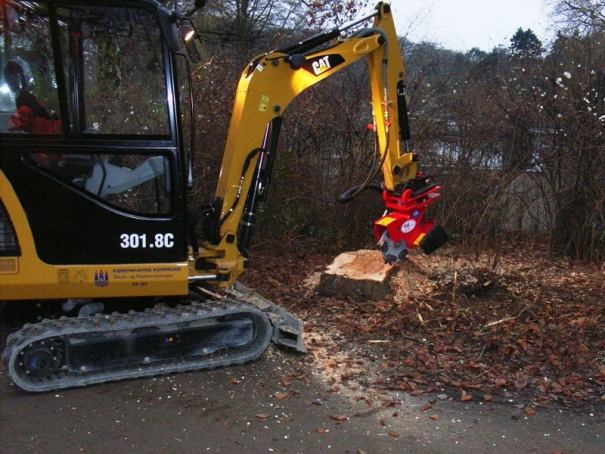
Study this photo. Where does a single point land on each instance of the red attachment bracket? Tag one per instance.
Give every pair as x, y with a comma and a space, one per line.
404, 220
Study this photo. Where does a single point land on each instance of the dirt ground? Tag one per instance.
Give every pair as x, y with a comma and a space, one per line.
462, 356
503, 324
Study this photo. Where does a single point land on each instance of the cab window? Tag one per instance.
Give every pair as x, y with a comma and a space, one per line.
133, 183
104, 63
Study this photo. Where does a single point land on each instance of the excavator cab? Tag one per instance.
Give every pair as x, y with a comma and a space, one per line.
107, 186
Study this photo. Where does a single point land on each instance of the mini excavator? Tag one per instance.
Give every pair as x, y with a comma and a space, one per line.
99, 244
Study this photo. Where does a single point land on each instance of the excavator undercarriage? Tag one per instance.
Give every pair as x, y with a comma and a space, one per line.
70, 352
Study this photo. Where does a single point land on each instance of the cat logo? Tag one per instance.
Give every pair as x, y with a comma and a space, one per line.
319, 65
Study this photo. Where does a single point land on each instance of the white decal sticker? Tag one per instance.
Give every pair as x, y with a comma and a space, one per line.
408, 226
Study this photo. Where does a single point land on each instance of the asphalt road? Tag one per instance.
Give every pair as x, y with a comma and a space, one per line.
278, 404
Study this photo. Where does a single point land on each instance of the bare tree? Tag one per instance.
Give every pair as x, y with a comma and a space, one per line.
253, 24
582, 16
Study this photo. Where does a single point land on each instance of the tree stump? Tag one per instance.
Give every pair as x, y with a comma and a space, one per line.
360, 275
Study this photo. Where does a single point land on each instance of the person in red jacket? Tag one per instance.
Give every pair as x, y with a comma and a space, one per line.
31, 115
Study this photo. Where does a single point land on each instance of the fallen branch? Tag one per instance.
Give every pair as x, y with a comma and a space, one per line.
502, 320
497, 322
413, 339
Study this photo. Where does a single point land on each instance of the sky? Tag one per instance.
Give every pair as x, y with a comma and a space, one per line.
464, 24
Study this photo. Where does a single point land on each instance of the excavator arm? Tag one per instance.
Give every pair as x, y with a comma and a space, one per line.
267, 86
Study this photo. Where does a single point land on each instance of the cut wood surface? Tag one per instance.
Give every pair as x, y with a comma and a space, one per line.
361, 275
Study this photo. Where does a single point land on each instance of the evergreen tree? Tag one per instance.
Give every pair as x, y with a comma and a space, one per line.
525, 43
